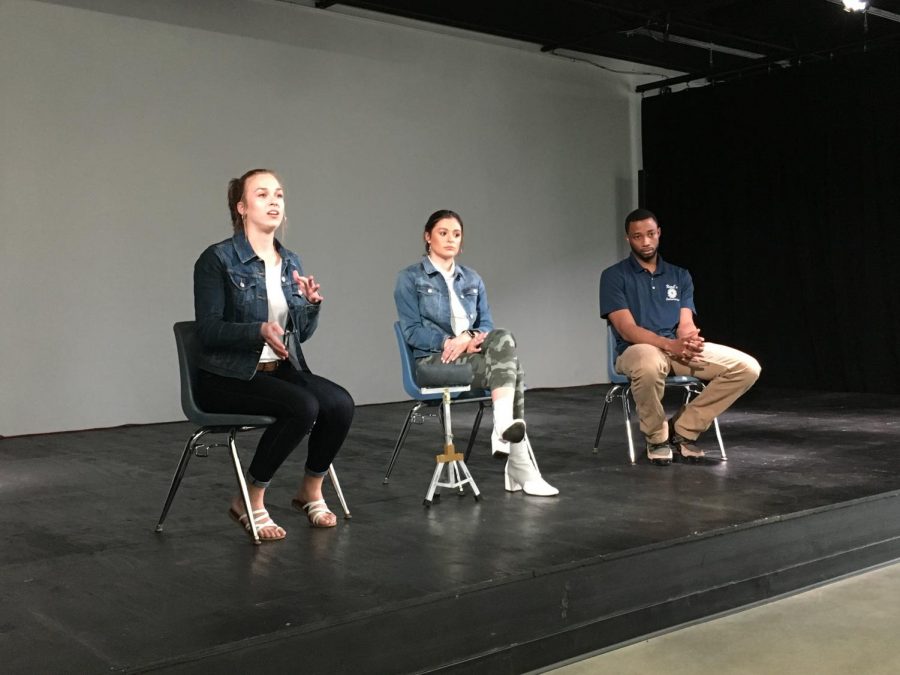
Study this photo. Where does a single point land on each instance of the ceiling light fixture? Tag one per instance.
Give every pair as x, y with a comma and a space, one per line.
869, 10
855, 5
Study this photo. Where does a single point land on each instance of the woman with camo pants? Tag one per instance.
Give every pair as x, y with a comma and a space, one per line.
445, 318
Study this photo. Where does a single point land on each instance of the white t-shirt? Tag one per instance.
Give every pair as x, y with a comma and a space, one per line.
278, 307
459, 320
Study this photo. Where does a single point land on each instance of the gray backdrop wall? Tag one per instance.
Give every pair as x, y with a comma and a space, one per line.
123, 120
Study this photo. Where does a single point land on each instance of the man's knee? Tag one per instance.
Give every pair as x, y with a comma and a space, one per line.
639, 361
751, 369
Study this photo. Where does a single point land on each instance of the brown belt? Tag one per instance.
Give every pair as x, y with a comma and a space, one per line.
267, 366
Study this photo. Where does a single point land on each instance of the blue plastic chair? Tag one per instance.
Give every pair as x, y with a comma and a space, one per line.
621, 388
412, 389
215, 423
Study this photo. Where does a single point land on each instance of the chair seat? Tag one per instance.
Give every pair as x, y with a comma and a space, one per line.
672, 380
682, 379
205, 419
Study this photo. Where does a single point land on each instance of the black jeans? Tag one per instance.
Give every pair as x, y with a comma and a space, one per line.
301, 402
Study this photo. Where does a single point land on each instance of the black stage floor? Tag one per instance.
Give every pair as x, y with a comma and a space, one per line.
505, 585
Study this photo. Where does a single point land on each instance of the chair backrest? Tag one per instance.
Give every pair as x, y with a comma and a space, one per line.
188, 347
614, 377
407, 364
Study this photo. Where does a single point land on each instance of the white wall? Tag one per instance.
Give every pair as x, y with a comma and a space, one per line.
119, 131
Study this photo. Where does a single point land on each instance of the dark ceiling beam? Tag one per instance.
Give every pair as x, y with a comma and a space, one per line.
759, 64
663, 21
325, 4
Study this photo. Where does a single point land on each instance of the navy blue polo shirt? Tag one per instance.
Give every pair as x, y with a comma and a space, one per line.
655, 300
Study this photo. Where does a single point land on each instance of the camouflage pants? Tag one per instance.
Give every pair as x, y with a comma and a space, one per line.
496, 365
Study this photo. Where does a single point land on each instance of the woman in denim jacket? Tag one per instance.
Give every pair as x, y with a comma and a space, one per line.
445, 318
253, 307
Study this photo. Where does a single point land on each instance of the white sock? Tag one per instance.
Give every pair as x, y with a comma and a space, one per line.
503, 413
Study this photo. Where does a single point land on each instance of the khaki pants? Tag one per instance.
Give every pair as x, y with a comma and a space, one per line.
728, 373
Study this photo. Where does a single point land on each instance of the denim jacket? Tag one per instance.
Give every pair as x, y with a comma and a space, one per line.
423, 305
231, 303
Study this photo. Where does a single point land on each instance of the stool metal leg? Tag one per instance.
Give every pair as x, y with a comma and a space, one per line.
470, 480
435, 481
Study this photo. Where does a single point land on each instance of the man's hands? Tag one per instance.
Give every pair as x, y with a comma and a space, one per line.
686, 347
461, 344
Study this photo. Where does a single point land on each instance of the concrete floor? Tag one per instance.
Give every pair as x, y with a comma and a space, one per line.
849, 626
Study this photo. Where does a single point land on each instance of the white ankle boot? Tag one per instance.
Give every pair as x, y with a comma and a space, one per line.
522, 472
499, 447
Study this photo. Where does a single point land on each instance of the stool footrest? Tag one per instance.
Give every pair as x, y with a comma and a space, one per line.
441, 390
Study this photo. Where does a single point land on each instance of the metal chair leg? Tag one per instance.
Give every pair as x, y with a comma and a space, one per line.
179, 474
719, 437
475, 427
688, 392
402, 438
239, 472
626, 409
602, 422
340, 493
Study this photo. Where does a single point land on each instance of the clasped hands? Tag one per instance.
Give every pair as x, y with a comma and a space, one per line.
687, 348
461, 344
272, 333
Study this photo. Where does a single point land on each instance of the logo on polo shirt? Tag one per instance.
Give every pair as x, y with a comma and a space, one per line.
672, 292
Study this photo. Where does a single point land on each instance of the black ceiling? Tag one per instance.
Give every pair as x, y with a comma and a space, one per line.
654, 32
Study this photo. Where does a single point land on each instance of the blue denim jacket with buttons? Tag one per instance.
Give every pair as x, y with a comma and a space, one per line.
423, 305
231, 303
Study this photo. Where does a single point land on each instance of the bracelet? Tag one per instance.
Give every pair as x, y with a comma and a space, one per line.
471, 333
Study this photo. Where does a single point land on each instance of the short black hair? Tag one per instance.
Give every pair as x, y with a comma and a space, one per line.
638, 214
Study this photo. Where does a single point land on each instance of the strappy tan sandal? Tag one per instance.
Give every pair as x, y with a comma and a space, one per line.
316, 512
263, 521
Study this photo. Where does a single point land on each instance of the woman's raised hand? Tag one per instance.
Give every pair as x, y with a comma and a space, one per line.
309, 287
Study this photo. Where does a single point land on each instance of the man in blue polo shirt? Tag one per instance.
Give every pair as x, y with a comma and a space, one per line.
650, 306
